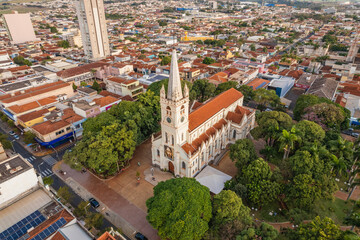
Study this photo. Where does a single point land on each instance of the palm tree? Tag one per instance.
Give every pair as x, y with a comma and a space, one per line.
287, 141
338, 165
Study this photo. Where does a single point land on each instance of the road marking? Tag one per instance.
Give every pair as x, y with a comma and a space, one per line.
33, 158
48, 171
50, 160
28, 159
43, 174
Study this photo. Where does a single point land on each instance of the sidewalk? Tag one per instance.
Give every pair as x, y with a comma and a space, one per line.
124, 214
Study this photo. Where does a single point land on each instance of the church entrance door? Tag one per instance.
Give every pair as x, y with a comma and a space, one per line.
171, 167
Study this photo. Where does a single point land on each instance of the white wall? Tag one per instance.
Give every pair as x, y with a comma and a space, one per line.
18, 185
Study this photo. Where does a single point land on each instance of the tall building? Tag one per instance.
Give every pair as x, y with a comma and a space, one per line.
93, 29
19, 27
189, 141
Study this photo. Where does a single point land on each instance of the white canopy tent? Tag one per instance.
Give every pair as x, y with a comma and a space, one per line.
213, 179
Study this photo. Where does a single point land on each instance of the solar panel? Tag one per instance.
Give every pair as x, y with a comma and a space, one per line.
20, 228
51, 229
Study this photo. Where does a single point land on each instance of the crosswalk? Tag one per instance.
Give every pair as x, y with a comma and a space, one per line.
49, 160
31, 159
46, 173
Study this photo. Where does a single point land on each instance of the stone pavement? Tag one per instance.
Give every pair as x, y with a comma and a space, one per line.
157, 177
124, 197
226, 165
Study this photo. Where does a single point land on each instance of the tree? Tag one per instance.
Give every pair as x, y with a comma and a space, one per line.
48, 180
302, 192
247, 91
222, 87
20, 60
343, 150
105, 152
63, 44
29, 137
265, 98
252, 47
264, 231
5, 142
180, 209
258, 179
96, 86
326, 114
64, 193
287, 141
242, 152
80, 210
208, 60
302, 162
228, 207
270, 124
165, 60
53, 30
321, 229
310, 132
74, 87
94, 220
202, 90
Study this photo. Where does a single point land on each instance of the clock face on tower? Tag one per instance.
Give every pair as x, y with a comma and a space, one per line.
168, 120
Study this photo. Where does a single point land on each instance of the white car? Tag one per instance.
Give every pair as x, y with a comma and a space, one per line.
16, 137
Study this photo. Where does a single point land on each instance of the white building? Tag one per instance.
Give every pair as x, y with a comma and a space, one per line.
19, 27
190, 141
17, 178
93, 29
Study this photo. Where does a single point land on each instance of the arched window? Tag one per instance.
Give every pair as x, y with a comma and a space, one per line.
202, 157
182, 110
216, 144
166, 137
168, 111
183, 165
158, 153
182, 136
172, 139
234, 134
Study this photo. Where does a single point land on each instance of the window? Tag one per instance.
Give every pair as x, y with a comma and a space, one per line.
234, 134
182, 137
168, 111
182, 110
68, 128
158, 152
183, 165
202, 157
59, 132
216, 144
166, 137
172, 139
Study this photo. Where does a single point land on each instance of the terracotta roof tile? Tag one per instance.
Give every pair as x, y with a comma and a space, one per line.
104, 101
106, 236
32, 105
203, 113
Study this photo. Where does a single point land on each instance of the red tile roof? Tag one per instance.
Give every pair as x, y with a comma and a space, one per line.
80, 70
32, 105
203, 113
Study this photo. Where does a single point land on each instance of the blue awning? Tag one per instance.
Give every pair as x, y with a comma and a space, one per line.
53, 142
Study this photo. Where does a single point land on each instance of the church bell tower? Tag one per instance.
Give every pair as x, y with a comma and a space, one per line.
174, 116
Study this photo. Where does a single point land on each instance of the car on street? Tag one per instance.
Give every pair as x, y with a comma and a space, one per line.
11, 133
140, 236
94, 203
16, 137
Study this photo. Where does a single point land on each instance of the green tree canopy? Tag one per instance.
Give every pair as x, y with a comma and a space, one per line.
302, 192
266, 98
320, 229
156, 86
310, 131
208, 60
242, 152
96, 86
165, 60
222, 87
202, 90
180, 209
228, 207
247, 91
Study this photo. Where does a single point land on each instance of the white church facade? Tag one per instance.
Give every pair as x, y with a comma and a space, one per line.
189, 141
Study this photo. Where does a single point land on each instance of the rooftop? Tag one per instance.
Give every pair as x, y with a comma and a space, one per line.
12, 167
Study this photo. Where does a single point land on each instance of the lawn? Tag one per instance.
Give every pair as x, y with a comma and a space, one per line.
336, 209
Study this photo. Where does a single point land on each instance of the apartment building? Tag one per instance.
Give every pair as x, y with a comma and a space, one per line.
124, 87
93, 29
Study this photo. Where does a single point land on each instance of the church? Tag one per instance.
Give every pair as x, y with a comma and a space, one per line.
189, 141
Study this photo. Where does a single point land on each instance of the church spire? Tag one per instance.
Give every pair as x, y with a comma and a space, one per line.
174, 89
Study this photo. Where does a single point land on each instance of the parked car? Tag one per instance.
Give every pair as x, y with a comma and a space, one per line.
140, 236
16, 137
355, 134
12, 133
94, 203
